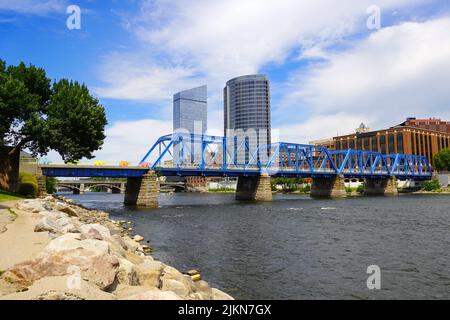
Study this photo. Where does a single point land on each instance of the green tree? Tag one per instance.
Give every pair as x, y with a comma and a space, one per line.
441, 161
432, 185
287, 184
50, 185
41, 116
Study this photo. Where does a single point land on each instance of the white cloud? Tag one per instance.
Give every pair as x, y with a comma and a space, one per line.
33, 6
397, 72
217, 40
130, 140
125, 141
135, 77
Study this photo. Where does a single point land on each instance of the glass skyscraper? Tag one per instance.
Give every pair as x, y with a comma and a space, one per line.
190, 110
247, 108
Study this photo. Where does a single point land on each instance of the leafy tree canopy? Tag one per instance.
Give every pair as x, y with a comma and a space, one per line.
41, 116
441, 160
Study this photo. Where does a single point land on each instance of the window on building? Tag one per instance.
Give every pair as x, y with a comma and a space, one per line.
374, 144
352, 144
400, 148
366, 143
383, 143
391, 143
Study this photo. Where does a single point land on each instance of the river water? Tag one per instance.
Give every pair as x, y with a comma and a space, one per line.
296, 247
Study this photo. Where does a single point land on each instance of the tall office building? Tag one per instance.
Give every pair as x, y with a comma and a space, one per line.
247, 108
190, 110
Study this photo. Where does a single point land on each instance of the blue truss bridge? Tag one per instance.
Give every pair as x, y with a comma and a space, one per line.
193, 155
181, 154
186, 155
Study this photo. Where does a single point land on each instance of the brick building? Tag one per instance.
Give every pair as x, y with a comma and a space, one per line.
424, 137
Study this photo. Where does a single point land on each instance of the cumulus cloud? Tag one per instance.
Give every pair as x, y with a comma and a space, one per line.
130, 140
217, 40
133, 77
400, 71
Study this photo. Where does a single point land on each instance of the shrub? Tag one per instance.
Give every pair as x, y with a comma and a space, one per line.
432, 185
306, 189
28, 185
28, 189
360, 189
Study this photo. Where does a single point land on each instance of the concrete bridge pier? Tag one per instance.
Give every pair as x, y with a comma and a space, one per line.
328, 187
42, 188
382, 186
79, 190
254, 188
142, 191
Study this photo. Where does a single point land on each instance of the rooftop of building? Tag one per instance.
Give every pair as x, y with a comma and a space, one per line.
247, 78
197, 93
394, 128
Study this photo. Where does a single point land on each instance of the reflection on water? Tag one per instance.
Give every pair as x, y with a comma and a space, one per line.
299, 248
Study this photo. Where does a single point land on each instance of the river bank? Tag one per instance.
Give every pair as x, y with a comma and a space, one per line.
56, 249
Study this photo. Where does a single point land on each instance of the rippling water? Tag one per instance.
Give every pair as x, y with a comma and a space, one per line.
299, 248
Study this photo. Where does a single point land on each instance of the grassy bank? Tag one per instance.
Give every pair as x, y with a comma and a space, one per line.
221, 190
9, 196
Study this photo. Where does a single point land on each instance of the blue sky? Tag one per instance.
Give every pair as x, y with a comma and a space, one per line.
328, 70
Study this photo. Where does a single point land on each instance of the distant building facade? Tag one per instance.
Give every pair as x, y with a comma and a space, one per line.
190, 110
247, 109
410, 137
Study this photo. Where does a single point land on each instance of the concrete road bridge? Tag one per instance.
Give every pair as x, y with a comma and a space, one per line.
84, 185
186, 155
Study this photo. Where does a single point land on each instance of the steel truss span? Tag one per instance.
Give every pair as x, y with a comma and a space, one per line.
182, 154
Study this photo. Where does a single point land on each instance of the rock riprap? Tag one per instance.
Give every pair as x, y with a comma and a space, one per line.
93, 258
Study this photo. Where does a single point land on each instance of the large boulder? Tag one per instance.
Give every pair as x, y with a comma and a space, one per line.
154, 294
60, 288
53, 214
177, 287
203, 289
127, 274
57, 223
29, 205
220, 295
172, 278
71, 241
149, 273
48, 225
103, 231
70, 210
130, 243
98, 268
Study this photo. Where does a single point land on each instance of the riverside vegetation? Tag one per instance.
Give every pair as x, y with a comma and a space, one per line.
90, 257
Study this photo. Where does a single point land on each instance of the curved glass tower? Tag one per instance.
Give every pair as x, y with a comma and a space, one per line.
247, 108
